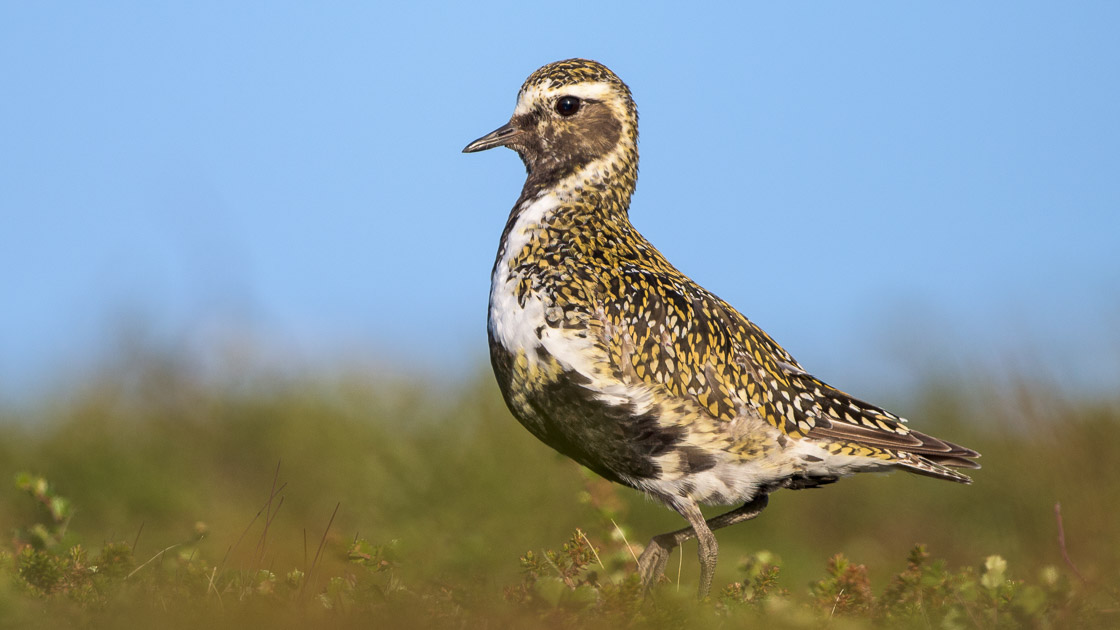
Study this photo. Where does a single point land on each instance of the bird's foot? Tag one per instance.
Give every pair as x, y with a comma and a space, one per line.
651, 564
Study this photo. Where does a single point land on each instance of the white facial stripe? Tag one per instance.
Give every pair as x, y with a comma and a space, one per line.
536, 94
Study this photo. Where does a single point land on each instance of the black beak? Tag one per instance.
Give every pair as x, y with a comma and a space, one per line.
500, 137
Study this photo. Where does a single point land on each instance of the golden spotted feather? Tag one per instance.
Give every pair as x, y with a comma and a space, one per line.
659, 327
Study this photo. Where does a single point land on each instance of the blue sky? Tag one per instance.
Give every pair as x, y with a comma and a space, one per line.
891, 191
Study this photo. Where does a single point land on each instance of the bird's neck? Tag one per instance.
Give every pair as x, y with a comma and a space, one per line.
600, 189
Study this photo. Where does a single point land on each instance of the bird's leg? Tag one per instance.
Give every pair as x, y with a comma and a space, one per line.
651, 564
707, 549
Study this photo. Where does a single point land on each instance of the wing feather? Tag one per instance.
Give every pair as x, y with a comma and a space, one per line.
682, 337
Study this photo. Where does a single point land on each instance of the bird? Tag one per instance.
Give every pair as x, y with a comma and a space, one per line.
607, 353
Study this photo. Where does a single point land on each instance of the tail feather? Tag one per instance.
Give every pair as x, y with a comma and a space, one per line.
957, 462
843, 419
922, 466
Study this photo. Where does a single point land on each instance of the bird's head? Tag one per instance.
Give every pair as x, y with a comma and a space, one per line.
570, 115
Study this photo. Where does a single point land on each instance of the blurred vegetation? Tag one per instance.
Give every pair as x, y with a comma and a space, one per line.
152, 496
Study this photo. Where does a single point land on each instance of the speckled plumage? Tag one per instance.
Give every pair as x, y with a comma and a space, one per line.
609, 354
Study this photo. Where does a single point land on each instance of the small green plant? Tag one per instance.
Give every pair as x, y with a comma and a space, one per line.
373, 584
45, 567
49, 534
570, 577
760, 582
846, 590
574, 585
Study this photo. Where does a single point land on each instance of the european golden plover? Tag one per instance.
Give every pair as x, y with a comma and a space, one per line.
608, 354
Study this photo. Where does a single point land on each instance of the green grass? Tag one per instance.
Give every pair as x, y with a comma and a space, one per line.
178, 502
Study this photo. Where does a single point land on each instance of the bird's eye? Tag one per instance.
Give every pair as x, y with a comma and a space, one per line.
567, 105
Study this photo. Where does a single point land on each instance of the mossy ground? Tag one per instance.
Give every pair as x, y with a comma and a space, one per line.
153, 498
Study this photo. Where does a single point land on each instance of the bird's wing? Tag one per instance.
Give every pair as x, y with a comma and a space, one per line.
672, 332
665, 329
